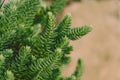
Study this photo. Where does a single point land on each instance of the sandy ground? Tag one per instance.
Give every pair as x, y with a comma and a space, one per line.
100, 49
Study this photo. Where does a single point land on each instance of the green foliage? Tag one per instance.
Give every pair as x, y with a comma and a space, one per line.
1, 3
9, 75
57, 6
45, 66
45, 38
76, 33
79, 69
32, 45
5, 57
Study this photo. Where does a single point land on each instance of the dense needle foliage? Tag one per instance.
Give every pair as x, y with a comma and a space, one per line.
32, 45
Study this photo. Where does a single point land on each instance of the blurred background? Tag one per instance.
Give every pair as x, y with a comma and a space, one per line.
100, 49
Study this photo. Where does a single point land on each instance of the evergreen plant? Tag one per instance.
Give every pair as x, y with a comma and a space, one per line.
32, 45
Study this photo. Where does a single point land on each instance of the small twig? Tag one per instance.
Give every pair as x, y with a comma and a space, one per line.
2, 3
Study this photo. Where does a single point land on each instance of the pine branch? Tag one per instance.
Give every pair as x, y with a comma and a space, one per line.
42, 44
76, 33
64, 25
42, 68
62, 29
79, 70
77, 74
21, 62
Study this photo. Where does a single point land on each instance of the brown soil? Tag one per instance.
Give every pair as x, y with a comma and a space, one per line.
100, 49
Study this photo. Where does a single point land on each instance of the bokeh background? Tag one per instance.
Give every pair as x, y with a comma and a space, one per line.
100, 49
